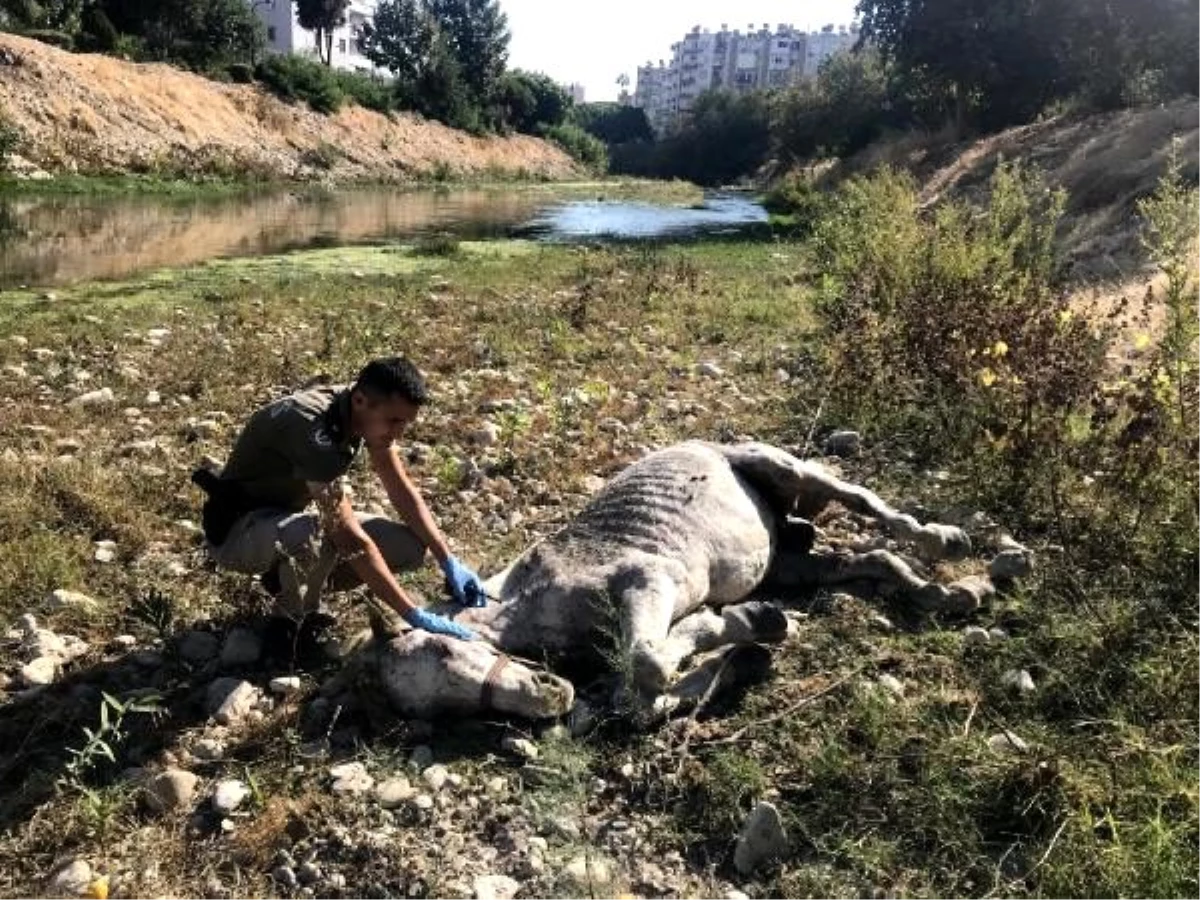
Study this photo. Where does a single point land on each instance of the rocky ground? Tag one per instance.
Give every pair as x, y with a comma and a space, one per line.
236, 770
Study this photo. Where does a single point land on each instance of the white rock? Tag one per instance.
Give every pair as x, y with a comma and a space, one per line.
1007, 742
40, 671
394, 792
892, 684
65, 599
486, 435
153, 398
435, 776
496, 887
351, 778
1009, 564
285, 685
975, 636
171, 789
1018, 679
236, 704
94, 398
72, 880
710, 369
521, 747
762, 839
229, 795
208, 749
589, 871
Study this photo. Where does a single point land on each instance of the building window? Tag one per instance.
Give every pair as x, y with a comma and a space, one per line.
270, 32
342, 45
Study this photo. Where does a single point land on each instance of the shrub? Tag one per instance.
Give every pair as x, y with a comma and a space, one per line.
580, 145
948, 327
367, 91
241, 73
292, 78
10, 141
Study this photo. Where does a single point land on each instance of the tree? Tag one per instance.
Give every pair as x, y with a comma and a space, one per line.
322, 17
613, 123
476, 33
530, 101
401, 40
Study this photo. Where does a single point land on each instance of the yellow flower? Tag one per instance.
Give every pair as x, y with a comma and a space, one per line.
1065, 316
1142, 341
987, 377
1162, 378
999, 348
98, 888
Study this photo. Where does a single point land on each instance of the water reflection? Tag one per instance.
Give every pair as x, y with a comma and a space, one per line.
56, 240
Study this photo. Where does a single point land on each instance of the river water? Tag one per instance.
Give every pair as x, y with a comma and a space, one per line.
55, 240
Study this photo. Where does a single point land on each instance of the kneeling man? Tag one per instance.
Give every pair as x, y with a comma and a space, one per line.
283, 491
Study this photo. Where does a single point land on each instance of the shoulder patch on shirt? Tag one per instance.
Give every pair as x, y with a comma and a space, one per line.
321, 437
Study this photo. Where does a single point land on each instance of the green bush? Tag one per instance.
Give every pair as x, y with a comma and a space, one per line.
294, 78
580, 145
10, 141
949, 328
367, 91
241, 73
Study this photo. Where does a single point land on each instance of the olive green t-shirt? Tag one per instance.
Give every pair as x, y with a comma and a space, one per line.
300, 438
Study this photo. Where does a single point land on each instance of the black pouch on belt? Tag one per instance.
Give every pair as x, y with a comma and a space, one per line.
226, 504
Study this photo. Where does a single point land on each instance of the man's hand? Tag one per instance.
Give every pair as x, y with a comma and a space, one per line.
463, 584
436, 624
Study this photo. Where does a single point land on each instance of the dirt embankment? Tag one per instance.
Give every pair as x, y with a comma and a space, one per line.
91, 114
1105, 163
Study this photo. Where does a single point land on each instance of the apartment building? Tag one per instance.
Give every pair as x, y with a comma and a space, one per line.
284, 34
759, 58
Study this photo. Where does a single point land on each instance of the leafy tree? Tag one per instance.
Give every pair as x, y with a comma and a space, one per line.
726, 136
401, 40
530, 101
476, 33
613, 123
322, 17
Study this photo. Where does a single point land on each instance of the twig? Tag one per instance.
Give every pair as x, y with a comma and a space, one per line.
804, 701
970, 717
704, 698
813, 426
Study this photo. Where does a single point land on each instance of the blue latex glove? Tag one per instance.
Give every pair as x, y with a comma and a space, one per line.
463, 584
436, 624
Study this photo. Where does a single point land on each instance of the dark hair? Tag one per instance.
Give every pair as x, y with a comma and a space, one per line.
392, 376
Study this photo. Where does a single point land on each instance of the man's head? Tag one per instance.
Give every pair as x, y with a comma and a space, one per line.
386, 397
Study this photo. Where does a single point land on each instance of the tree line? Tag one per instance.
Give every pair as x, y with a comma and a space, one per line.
969, 66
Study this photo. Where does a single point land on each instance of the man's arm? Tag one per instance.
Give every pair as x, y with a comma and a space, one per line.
356, 547
407, 500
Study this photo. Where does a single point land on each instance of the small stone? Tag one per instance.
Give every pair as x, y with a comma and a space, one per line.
762, 839
997, 634
72, 880
336, 881
843, 443
423, 801
521, 747
171, 789
229, 795
106, 552
486, 435
41, 671
94, 398
974, 636
237, 703
497, 785
435, 776
496, 887
1018, 679
891, 684
710, 370
1011, 564
351, 778
589, 872
394, 792
285, 685
1007, 742
208, 749
198, 647
65, 599
242, 648
882, 622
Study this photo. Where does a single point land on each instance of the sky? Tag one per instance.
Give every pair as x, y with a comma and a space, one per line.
591, 42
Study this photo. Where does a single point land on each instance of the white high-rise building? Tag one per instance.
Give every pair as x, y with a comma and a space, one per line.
758, 59
284, 34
